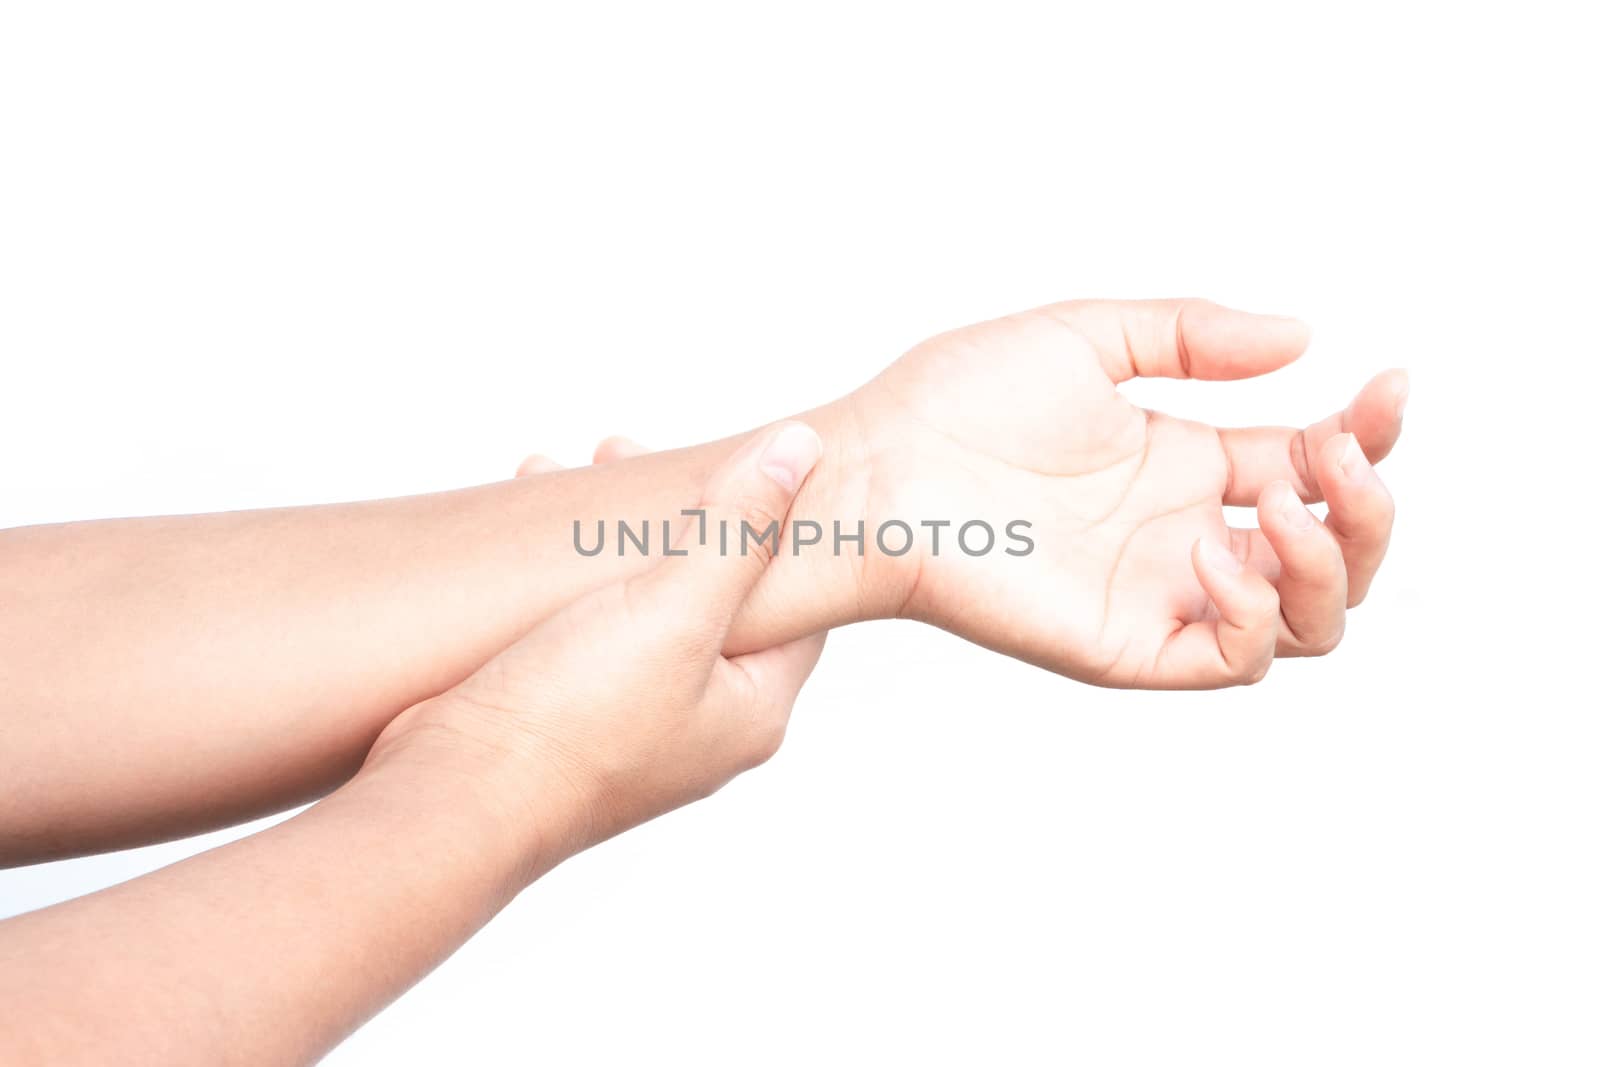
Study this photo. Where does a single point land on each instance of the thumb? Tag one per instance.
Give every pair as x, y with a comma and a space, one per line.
1184, 338
723, 550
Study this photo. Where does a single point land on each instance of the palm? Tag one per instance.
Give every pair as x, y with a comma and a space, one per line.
1116, 495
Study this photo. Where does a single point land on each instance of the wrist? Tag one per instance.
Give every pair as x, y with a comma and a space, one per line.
529, 813
843, 577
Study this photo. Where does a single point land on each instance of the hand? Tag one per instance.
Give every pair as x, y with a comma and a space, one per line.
621, 706
1136, 580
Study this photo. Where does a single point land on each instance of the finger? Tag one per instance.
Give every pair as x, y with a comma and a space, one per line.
614, 448
608, 451
759, 688
1259, 455
1360, 511
1257, 553
744, 505
776, 674
1184, 338
1236, 647
537, 464
1311, 576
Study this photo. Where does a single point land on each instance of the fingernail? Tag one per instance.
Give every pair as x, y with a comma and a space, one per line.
1402, 396
1219, 557
1294, 513
791, 454
1353, 461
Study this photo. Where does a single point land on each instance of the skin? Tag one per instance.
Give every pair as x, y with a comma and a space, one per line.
270, 649
1136, 583
1127, 492
271, 949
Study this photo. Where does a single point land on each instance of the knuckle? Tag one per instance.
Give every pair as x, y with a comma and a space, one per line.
1368, 514
1385, 519
706, 789
766, 737
767, 744
648, 619
1266, 611
754, 526
635, 599
1300, 462
1373, 520
1252, 671
1325, 644
1384, 498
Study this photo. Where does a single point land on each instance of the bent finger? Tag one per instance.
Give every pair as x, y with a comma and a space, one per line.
1360, 512
776, 674
1311, 578
1260, 455
537, 464
614, 448
1237, 646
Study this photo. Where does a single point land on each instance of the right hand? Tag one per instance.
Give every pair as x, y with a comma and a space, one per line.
621, 706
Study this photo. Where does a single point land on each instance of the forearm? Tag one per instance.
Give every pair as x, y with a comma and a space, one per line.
271, 949
163, 676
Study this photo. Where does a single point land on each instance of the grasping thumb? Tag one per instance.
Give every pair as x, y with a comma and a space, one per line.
717, 558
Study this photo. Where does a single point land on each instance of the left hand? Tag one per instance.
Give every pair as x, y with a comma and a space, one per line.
1136, 580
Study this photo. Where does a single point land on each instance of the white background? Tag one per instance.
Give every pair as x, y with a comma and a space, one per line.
264, 254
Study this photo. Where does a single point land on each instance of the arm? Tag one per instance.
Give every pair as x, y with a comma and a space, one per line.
163, 676
271, 949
